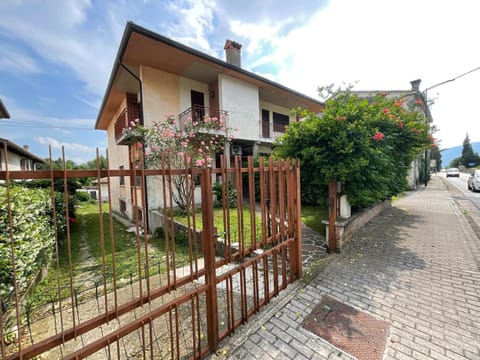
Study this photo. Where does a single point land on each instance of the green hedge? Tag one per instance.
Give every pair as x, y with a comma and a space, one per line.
33, 235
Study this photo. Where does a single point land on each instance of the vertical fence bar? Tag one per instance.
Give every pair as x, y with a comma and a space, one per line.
208, 244
251, 193
12, 249
102, 233
137, 230
240, 223
57, 254
298, 220
143, 191
2, 340
112, 237
69, 242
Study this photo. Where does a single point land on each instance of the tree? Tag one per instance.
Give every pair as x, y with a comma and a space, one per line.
436, 155
367, 144
469, 158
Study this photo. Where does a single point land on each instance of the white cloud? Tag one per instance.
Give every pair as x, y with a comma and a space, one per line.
17, 62
58, 32
194, 22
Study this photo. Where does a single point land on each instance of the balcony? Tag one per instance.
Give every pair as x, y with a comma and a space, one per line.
198, 113
123, 122
278, 130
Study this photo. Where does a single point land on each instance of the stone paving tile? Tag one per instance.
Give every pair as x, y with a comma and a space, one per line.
417, 265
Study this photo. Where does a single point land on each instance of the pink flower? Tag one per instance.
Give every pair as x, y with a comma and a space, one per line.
400, 124
378, 136
139, 145
181, 153
200, 162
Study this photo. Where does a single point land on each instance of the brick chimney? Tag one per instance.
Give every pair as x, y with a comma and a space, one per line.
416, 85
233, 53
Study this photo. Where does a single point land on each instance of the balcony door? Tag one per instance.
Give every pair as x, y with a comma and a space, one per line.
198, 105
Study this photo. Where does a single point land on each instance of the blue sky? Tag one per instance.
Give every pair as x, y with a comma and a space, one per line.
56, 56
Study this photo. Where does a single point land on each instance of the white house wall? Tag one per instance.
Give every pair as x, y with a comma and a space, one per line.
14, 161
241, 101
186, 86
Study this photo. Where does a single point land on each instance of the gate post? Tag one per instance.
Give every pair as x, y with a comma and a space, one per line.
208, 245
332, 215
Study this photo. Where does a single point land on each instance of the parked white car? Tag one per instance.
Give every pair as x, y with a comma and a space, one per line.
474, 181
453, 172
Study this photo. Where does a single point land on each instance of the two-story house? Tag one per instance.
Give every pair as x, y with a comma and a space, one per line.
18, 157
154, 76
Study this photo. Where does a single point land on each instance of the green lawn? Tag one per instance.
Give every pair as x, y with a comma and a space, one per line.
86, 256
312, 216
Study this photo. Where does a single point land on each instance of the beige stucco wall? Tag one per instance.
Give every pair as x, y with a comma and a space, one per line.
161, 94
118, 156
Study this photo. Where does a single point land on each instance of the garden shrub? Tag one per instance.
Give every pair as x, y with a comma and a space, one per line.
83, 196
33, 235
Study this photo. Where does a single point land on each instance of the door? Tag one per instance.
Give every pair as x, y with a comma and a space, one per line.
198, 105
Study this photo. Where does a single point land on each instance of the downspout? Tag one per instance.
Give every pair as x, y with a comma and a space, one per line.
147, 217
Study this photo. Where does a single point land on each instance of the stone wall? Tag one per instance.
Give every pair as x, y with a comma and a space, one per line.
346, 228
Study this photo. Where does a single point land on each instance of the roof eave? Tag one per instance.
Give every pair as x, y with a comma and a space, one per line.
132, 27
4, 114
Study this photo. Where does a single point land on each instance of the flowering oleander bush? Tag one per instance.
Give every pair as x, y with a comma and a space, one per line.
369, 144
194, 143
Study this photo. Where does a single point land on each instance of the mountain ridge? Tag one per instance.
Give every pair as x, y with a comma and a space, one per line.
453, 152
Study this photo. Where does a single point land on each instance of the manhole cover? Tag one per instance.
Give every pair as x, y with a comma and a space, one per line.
355, 332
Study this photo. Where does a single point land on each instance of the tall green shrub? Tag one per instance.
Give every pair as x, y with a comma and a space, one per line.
33, 237
367, 144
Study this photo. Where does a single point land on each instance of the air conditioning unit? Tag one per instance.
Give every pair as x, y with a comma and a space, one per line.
236, 150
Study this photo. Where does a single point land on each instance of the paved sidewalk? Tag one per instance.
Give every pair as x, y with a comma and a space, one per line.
416, 266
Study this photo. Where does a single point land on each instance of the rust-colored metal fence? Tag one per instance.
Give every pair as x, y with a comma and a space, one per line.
185, 289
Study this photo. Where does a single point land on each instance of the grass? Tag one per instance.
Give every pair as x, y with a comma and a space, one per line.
86, 256
218, 222
86, 247
312, 216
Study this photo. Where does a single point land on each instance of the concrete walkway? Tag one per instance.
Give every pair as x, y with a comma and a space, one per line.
416, 266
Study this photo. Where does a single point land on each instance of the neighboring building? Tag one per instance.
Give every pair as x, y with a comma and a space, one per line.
154, 76
413, 98
94, 191
19, 158
3, 111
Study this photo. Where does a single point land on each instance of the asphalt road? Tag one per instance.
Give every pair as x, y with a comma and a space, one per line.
461, 184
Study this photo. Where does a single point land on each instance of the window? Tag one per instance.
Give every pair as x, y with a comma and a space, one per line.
123, 206
265, 123
122, 178
280, 122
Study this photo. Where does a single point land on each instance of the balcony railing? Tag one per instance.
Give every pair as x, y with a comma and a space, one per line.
120, 124
278, 130
198, 113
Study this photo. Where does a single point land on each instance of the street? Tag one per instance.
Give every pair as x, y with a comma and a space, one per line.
461, 185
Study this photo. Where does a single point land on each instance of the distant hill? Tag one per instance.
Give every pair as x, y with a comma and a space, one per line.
454, 152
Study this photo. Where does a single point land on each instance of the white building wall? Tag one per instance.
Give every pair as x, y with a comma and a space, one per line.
241, 100
186, 86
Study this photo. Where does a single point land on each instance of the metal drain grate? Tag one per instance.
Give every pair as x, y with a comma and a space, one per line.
352, 331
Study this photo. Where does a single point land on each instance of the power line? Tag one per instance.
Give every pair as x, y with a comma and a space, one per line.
45, 126
455, 78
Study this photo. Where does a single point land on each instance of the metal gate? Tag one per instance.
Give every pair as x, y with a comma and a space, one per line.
205, 271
